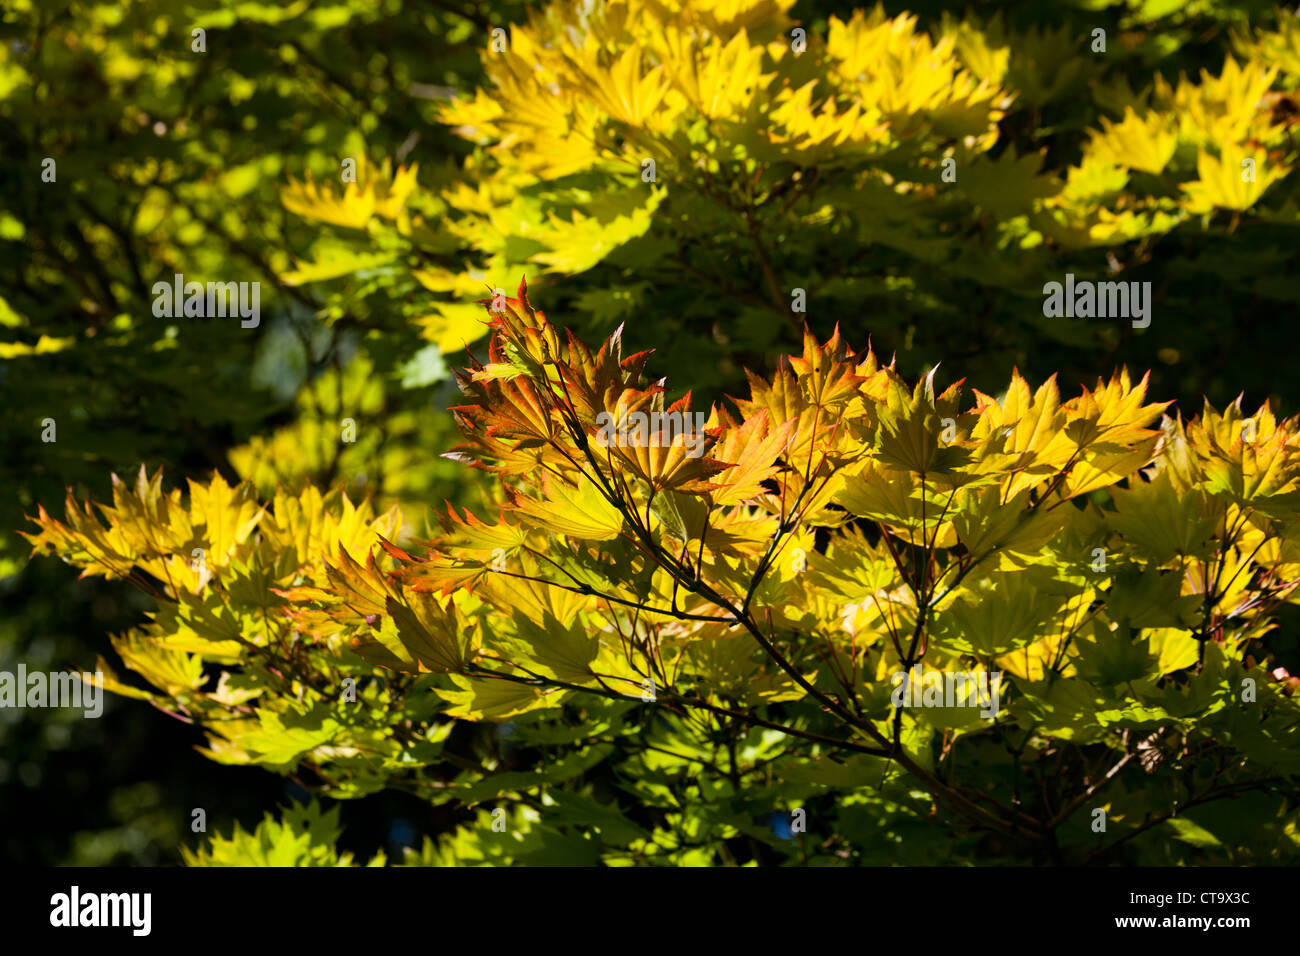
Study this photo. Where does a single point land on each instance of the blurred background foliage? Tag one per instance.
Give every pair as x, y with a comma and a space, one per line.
170, 161
215, 164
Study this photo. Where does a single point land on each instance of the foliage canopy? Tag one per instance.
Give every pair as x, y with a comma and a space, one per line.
744, 610
633, 652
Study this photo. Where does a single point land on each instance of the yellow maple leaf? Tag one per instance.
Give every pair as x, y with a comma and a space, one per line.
1136, 142
1234, 181
372, 192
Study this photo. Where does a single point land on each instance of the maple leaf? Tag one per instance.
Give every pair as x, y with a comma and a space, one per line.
373, 192
753, 448
1223, 183
827, 373
431, 633
578, 510
910, 437
664, 456
1146, 142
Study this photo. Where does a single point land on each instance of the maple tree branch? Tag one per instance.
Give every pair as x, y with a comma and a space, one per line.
538, 680
584, 588
1082, 798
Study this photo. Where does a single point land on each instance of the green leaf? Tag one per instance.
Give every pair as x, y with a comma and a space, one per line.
424, 368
